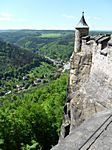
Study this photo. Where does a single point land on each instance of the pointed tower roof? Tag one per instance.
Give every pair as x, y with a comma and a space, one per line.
82, 23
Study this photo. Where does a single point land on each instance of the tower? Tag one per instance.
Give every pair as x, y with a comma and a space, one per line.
82, 29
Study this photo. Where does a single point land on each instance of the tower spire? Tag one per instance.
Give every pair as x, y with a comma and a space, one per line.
82, 23
83, 14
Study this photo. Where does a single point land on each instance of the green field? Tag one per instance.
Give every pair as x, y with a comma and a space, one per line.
50, 35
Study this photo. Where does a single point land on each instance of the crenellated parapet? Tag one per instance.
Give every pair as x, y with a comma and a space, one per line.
98, 42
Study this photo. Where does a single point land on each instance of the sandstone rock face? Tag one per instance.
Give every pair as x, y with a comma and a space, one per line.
79, 74
93, 134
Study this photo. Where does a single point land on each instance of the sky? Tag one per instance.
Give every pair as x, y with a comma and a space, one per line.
55, 14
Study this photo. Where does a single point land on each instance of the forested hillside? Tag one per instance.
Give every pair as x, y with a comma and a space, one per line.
32, 95
22, 68
54, 44
33, 116
13, 56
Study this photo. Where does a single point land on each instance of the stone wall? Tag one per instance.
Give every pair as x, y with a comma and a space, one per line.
89, 92
90, 84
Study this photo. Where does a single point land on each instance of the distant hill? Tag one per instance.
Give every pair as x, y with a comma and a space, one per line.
56, 44
14, 55
13, 58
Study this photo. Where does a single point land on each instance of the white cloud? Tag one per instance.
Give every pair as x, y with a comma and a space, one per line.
6, 19
97, 18
68, 16
102, 27
4, 16
93, 18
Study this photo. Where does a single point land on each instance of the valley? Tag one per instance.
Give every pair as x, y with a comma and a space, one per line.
32, 88
34, 71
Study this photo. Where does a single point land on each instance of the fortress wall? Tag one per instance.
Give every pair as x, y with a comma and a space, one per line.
102, 60
90, 85
90, 82
97, 91
87, 46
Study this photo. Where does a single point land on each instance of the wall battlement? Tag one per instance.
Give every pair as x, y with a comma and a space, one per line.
99, 42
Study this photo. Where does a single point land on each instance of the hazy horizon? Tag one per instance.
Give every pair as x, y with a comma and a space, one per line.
50, 30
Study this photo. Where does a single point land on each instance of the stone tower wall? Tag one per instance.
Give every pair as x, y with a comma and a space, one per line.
79, 33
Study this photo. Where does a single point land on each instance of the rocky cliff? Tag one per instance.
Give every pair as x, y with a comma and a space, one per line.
89, 91
93, 134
